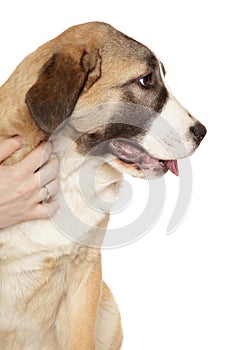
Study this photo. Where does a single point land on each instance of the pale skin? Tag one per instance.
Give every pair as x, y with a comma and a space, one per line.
24, 186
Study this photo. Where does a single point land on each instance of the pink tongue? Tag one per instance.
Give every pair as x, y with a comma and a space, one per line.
173, 166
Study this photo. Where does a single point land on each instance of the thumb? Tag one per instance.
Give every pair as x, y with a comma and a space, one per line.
9, 146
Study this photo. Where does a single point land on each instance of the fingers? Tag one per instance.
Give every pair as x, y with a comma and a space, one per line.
48, 191
24, 180
49, 209
36, 158
48, 172
9, 146
45, 210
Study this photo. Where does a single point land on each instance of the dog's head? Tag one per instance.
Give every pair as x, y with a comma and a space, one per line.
114, 91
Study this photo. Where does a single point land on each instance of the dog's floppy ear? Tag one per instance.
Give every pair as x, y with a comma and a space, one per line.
67, 73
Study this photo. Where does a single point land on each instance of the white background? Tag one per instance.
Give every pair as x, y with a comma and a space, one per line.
174, 291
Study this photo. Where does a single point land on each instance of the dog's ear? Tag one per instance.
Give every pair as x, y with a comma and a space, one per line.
67, 73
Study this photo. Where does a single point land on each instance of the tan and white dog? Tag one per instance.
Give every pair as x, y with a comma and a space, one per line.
102, 98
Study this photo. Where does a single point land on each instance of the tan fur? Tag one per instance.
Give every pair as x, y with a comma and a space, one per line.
63, 292
52, 296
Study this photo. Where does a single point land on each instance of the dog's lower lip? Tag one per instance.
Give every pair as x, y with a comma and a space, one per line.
126, 161
129, 152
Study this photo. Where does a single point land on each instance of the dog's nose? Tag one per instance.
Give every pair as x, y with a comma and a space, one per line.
198, 131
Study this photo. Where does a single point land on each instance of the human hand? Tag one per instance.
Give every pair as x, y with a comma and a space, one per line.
23, 187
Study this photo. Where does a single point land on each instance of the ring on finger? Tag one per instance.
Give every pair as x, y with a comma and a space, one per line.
47, 194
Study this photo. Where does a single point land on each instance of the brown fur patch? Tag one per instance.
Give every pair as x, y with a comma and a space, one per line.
64, 293
52, 98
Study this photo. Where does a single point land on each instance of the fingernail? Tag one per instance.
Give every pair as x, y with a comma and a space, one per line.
49, 147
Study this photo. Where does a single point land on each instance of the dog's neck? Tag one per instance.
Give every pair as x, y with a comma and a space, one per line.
89, 187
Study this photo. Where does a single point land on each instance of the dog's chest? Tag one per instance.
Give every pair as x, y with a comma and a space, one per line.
89, 187
35, 293
40, 264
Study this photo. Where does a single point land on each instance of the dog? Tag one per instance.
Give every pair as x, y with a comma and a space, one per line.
102, 99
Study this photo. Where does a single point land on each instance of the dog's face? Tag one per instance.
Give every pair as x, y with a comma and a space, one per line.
114, 91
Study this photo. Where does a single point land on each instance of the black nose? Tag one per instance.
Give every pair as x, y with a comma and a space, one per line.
198, 131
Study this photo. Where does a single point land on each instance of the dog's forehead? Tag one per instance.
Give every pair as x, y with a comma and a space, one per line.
127, 45
115, 47
121, 49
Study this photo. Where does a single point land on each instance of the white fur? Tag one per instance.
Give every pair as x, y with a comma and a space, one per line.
25, 246
169, 136
89, 186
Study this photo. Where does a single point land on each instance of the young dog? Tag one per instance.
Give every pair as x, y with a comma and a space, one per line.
103, 99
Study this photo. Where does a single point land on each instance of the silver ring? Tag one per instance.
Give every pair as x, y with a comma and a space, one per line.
47, 194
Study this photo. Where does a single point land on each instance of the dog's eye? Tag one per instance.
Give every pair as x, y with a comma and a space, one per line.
147, 81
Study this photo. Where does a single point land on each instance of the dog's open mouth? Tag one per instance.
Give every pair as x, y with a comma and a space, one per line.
130, 152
